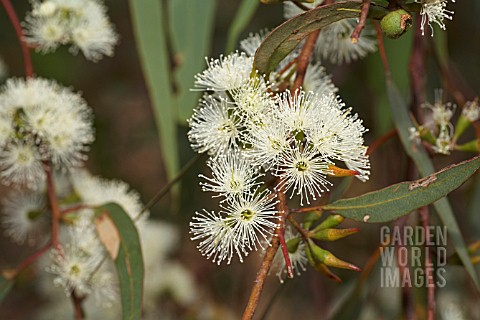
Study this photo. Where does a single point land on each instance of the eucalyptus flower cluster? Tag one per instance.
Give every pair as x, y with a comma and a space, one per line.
440, 131
83, 24
255, 131
41, 122
79, 264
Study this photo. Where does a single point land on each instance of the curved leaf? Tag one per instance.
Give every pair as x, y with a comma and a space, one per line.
283, 39
128, 259
402, 198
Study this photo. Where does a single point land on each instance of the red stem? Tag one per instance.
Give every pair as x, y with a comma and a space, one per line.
381, 50
31, 259
361, 22
27, 59
378, 143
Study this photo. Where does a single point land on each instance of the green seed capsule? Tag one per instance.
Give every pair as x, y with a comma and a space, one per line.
396, 23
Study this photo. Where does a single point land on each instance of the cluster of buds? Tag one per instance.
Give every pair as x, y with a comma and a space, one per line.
440, 133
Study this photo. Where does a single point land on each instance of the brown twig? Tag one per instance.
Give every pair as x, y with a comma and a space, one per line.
380, 141
77, 306
361, 22
54, 206
27, 59
416, 67
306, 209
425, 217
262, 273
304, 59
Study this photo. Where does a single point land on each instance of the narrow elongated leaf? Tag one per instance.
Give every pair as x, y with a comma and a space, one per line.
425, 167
128, 260
151, 46
5, 286
191, 30
283, 39
242, 18
402, 198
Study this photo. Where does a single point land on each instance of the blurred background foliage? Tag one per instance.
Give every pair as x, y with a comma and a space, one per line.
128, 147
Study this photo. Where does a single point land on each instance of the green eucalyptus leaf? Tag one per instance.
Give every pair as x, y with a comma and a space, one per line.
242, 18
402, 198
283, 39
191, 30
127, 258
151, 45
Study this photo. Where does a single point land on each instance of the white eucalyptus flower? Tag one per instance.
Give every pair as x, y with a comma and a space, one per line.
214, 128
225, 73
25, 217
232, 175
82, 23
471, 110
304, 172
442, 112
251, 217
218, 240
434, 11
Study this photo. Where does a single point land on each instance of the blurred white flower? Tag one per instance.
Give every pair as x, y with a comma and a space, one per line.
441, 112
334, 42
471, 110
73, 269
82, 23
25, 217
96, 191
41, 121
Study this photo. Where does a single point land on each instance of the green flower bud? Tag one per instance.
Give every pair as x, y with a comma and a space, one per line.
396, 23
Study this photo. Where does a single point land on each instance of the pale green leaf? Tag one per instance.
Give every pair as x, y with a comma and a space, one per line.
244, 14
151, 46
191, 30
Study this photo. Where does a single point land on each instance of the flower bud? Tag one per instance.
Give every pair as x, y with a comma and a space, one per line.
333, 234
396, 23
330, 222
